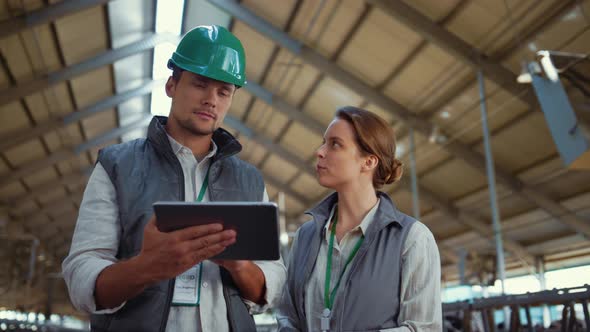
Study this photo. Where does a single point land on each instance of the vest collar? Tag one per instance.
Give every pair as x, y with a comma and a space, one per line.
386, 213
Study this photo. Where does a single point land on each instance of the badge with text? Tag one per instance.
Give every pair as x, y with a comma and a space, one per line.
187, 288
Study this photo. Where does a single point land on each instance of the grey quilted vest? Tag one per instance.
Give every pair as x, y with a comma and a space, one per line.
369, 297
144, 171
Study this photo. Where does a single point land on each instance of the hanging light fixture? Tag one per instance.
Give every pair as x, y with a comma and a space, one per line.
436, 136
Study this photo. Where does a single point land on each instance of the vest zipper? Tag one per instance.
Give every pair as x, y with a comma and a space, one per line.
344, 291
169, 294
310, 264
229, 308
167, 308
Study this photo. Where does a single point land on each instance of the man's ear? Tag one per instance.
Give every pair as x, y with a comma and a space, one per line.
370, 163
170, 87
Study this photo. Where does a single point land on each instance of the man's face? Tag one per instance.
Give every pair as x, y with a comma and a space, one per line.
199, 104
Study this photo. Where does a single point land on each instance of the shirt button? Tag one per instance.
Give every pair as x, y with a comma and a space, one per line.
205, 284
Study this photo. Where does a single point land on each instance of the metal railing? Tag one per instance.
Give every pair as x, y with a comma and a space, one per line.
568, 297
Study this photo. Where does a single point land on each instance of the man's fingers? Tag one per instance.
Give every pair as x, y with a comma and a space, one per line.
151, 225
211, 251
194, 232
223, 239
228, 243
203, 254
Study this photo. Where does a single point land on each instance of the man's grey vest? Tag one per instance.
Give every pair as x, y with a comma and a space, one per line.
368, 298
144, 171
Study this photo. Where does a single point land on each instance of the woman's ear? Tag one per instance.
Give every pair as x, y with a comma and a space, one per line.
370, 163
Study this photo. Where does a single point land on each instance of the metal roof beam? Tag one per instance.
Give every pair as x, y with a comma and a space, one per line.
45, 15
287, 190
58, 204
456, 46
422, 125
67, 153
284, 107
269, 144
551, 14
76, 179
105, 58
471, 221
321, 63
19, 136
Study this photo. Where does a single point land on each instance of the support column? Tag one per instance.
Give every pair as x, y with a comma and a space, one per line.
491, 175
540, 269
414, 176
284, 235
462, 262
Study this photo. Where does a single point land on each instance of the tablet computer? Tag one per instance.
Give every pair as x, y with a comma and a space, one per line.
256, 225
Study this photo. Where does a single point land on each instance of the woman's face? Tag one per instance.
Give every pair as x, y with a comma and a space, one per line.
339, 159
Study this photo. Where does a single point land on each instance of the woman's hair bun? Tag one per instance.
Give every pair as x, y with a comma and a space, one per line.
397, 169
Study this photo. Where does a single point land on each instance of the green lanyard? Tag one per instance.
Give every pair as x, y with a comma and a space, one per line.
200, 199
204, 186
329, 296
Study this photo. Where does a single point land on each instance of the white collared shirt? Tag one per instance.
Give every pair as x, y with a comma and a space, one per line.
96, 240
314, 301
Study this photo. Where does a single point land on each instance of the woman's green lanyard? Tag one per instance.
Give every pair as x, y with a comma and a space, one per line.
329, 296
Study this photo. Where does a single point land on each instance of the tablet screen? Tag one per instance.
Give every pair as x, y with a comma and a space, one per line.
256, 225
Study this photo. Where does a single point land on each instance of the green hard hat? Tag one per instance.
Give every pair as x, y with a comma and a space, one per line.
211, 51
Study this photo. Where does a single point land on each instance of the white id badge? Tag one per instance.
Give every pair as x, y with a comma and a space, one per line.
187, 288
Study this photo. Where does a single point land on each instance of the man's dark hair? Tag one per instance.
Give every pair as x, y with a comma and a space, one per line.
176, 72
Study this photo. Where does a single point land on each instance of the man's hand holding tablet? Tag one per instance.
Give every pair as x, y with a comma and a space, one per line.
255, 224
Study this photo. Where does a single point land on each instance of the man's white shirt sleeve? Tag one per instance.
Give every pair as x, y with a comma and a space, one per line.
95, 241
275, 275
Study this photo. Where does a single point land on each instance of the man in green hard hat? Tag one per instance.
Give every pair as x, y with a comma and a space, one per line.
126, 273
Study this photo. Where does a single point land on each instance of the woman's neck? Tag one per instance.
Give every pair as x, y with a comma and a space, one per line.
353, 206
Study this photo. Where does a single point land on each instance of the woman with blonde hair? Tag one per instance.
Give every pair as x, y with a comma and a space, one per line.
360, 264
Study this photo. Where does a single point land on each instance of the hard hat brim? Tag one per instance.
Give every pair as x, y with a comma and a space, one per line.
219, 63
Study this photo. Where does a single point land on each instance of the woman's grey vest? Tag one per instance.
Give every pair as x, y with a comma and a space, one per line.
144, 171
369, 297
